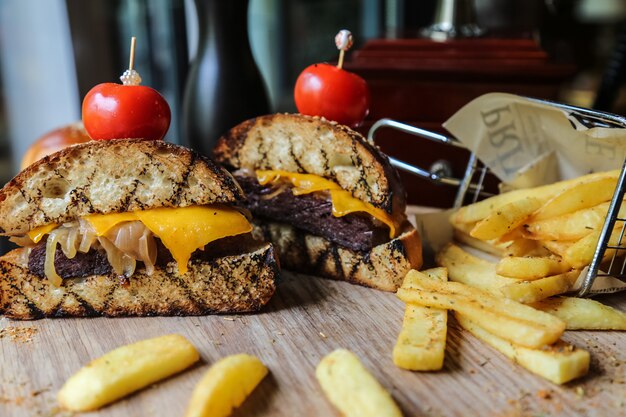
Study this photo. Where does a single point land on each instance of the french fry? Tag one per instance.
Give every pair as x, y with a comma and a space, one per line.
480, 210
225, 386
422, 340
489, 246
532, 291
557, 247
126, 370
571, 226
583, 313
580, 254
506, 318
558, 363
505, 219
531, 268
462, 227
470, 270
352, 389
579, 196
524, 247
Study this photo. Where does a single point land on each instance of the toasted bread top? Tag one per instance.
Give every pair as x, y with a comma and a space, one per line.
109, 177
304, 144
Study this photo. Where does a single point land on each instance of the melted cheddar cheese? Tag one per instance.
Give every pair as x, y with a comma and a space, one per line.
39, 232
343, 202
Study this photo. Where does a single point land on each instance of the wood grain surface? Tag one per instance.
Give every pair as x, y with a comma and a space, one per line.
308, 318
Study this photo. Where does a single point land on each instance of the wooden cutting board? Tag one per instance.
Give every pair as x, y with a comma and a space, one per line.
308, 318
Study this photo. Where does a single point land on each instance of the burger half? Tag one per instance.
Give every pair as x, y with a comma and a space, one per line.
328, 200
129, 228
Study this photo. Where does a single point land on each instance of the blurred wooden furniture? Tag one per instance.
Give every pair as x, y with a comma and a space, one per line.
423, 82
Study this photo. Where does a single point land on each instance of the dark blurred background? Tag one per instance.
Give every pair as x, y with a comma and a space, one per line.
53, 51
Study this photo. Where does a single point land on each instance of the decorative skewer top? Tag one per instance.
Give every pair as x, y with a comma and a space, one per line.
130, 76
344, 41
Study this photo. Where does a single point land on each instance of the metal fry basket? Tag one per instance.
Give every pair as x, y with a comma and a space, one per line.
609, 251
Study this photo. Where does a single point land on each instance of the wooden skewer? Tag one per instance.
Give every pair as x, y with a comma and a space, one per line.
131, 64
341, 55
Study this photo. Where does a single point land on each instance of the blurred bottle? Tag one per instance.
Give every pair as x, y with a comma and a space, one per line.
224, 86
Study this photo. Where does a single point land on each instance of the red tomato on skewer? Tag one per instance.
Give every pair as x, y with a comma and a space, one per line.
116, 111
334, 93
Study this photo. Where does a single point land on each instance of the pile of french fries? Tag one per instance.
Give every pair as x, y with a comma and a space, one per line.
540, 232
545, 236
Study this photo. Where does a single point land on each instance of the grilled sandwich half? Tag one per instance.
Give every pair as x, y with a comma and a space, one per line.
328, 200
129, 228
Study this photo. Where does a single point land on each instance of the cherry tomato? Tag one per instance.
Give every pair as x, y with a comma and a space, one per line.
336, 94
116, 111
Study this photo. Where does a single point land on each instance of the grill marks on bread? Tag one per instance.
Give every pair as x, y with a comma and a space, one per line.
304, 144
383, 267
235, 283
111, 176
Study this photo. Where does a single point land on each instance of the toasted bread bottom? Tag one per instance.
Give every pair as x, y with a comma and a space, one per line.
383, 268
238, 283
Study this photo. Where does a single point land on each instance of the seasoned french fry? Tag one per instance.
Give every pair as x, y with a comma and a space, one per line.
480, 210
532, 291
126, 370
557, 247
489, 246
462, 227
506, 318
515, 234
581, 253
571, 226
531, 268
579, 196
524, 247
422, 340
583, 313
225, 386
352, 389
558, 363
505, 219
468, 269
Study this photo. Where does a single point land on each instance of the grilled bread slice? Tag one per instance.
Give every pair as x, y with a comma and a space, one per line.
383, 268
297, 143
313, 145
230, 284
107, 177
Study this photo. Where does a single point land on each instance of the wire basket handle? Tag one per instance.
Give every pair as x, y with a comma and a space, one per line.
463, 184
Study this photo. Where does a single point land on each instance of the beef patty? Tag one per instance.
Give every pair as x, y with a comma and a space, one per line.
313, 214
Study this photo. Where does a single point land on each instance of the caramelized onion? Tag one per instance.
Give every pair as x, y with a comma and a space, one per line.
87, 236
121, 263
70, 241
278, 190
147, 251
124, 244
51, 246
135, 240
